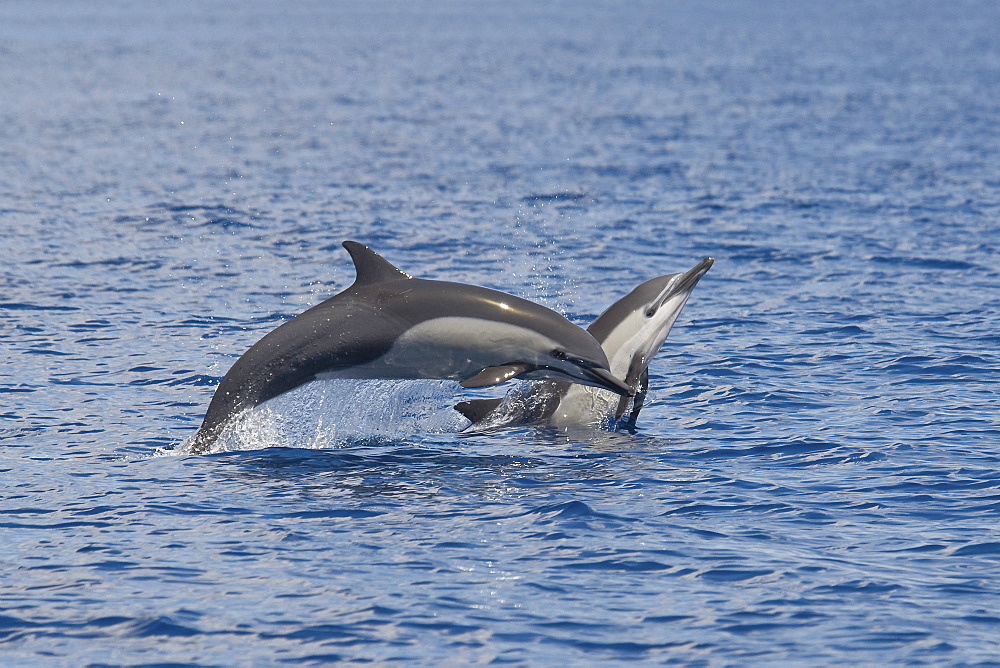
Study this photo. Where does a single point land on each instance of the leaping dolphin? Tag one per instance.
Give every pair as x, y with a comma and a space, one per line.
631, 332
388, 324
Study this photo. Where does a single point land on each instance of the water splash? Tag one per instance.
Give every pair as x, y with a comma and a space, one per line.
330, 414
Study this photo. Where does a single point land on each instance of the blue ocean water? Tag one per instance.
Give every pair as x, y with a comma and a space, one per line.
816, 477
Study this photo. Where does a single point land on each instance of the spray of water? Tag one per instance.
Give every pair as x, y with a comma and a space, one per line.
334, 413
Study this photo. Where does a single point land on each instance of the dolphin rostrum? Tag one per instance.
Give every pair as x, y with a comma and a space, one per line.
388, 324
631, 331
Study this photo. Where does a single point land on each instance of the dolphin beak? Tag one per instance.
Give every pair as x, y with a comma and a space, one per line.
685, 282
690, 278
603, 378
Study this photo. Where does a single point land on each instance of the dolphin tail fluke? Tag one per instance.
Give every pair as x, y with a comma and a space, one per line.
477, 409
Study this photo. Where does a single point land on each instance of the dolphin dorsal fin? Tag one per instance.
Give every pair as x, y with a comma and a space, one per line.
370, 266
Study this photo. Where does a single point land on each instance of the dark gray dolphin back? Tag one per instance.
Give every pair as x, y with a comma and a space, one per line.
418, 300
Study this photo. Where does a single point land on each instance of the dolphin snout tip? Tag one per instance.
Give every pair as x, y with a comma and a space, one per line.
607, 380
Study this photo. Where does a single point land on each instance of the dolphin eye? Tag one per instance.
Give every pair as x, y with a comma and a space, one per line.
651, 311
559, 354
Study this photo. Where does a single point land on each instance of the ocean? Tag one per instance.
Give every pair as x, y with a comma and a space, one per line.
815, 478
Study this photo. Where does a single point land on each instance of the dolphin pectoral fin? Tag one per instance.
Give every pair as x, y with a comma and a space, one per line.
637, 378
477, 409
640, 397
494, 375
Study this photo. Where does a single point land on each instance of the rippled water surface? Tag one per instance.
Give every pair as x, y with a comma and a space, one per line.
816, 477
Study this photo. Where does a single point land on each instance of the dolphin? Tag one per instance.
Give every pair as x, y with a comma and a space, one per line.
631, 331
388, 324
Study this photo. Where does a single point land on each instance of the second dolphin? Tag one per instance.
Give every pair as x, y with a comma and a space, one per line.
631, 331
